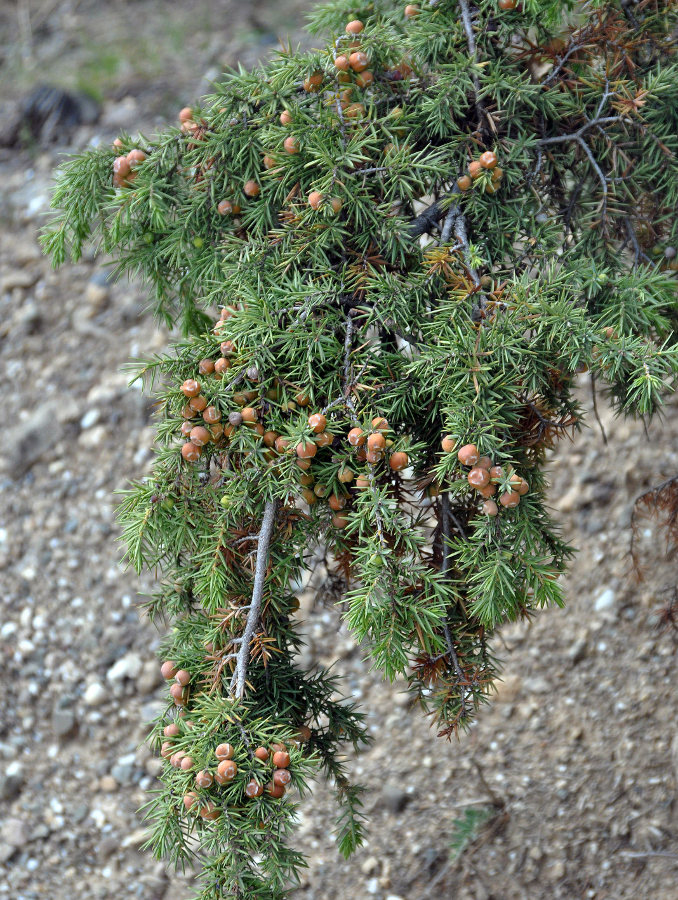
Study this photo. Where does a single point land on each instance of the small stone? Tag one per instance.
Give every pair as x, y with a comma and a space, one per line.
63, 721
123, 770
90, 418
537, 685
96, 296
11, 781
372, 886
80, 813
508, 688
7, 630
136, 838
95, 694
605, 600
108, 784
149, 678
6, 853
555, 871
570, 500
107, 846
153, 767
370, 865
93, 437
14, 832
24, 443
394, 798
19, 278
577, 651
128, 666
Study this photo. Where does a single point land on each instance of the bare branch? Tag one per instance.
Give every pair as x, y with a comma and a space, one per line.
471, 41
599, 172
240, 673
577, 135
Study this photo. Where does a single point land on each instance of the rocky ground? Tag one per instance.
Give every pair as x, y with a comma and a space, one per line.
578, 752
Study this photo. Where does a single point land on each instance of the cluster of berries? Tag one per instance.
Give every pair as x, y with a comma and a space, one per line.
222, 770
486, 478
276, 758
180, 678
371, 445
486, 162
123, 166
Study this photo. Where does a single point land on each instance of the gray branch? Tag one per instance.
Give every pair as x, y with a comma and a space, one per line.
243, 657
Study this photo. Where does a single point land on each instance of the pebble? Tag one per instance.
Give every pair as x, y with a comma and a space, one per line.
394, 798
24, 442
577, 651
92, 437
95, 694
605, 600
123, 770
370, 865
136, 838
80, 813
508, 688
63, 721
96, 296
128, 666
537, 685
149, 678
19, 278
11, 780
90, 418
14, 832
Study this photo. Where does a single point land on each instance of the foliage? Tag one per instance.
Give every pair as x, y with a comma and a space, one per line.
429, 251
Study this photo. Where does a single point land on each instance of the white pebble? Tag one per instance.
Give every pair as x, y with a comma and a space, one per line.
128, 666
95, 694
604, 600
90, 418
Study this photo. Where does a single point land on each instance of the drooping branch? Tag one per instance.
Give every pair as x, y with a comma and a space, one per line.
240, 674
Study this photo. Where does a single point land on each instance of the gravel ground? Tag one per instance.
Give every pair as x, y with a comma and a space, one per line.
578, 752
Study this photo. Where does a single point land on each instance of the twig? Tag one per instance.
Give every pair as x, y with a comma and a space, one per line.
560, 61
577, 135
240, 673
347, 348
462, 237
471, 41
448, 224
599, 172
637, 251
423, 223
